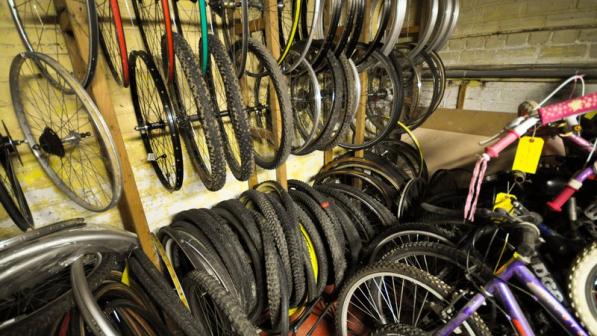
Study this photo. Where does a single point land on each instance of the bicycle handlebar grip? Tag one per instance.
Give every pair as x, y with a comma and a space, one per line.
557, 203
568, 108
495, 149
529, 239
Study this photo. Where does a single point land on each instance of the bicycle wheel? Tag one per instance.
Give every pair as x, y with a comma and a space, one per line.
332, 82
112, 40
382, 101
377, 28
395, 27
196, 118
428, 16
441, 25
327, 26
37, 25
190, 20
156, 122
11, 194
388, 293
582, 287
306, 104
232, 118
155, 24
310, 13
66, 132
230, 23
451, 27
271, 143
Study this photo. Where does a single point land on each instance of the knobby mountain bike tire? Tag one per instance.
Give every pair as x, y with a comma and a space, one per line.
156, 120
277, 146
195, 26
231, 116
197, 119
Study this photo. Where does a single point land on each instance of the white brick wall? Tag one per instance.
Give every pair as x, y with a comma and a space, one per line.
509, 32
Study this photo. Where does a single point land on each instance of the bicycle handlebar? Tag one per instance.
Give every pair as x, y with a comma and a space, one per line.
568, 108
574, 184
512, 135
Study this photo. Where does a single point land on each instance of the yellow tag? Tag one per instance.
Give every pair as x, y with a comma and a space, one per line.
125, 275
590, 115
528, 154
504, 201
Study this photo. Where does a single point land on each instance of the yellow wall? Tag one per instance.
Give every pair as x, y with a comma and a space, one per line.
49, 204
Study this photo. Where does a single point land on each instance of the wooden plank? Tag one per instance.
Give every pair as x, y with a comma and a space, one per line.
130, 205
461, 95
271, 36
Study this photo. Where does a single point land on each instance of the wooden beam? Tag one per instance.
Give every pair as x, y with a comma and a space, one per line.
461, 95
130, 205
473, 122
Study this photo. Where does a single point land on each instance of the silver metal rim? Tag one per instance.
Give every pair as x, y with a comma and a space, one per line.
315, 27
398, 16
357, 284
317, 107
444, 18
91, 311
453, 21
428, 24
96, 119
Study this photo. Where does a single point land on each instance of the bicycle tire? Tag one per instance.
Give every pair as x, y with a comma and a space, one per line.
11, 194
196, 26
92, 37
350, 103
223, 302
328, 232
161, 162
97, 126
221, 9
152, 40
302, 108
239, 155
384, 65
283, 141
166, 299
39, 321
306, 34
441, 291
580, 285
321, 274
399, 11
374, 43
335, 99
325, 41
116, 60
420, 231
209, 162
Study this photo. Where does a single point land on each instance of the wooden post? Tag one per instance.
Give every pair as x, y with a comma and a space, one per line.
461, 95
271, 39
73, 19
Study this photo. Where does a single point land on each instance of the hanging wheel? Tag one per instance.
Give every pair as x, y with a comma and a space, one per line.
196, 118
155, 120
271, 146
230, 23
37, 26
11, 194
153, 18
306, 105
234, 124
112, 40
66, 132
190, 18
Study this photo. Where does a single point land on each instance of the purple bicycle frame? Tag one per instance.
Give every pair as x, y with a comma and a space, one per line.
499, 287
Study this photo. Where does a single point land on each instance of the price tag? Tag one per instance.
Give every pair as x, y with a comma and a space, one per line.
504, 201
590, 115
125, 275
528, 154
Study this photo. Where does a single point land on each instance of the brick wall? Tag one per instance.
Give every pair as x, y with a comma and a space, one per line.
510, 32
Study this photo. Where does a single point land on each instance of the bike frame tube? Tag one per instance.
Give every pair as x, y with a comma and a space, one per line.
517, 269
